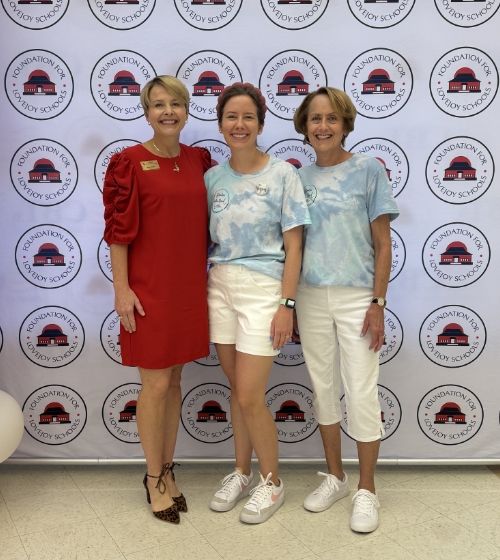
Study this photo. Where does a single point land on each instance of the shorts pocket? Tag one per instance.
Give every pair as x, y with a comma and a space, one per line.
269, 285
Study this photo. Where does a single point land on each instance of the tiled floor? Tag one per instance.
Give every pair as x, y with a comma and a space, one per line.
100, 512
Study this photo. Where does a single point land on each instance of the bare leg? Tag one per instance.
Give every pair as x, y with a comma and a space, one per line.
330, 434
172, 416
368, 455
242, 444
252, 373
151, 412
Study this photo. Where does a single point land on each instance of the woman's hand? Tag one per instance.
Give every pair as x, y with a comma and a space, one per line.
125, 303
374, 320
281, 327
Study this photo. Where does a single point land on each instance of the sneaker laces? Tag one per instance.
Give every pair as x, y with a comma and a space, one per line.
364, 501
232, 480
260, 492
328, 485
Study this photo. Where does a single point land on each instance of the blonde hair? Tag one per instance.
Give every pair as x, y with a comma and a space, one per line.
174, 86
341, 103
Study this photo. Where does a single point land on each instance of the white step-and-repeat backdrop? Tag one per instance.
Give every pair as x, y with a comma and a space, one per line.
423, 75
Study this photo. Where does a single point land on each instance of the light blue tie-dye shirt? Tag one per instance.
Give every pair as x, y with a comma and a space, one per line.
343, 200
249, 213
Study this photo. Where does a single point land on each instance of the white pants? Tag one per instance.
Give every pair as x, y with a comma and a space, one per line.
330, 322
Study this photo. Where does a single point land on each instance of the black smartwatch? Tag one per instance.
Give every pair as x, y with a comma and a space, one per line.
380, 301
290, 303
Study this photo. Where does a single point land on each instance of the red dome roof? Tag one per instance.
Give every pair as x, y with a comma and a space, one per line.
464, 70
460, 159
451, 405
209, 74
54, 405
295, 162
289, 403
48, 246
379, 72
131, 403
294, 74
124, 74
457, 244
39, 73
381, 161
52, 327
44, 162
453, 327
211, 403
214, 162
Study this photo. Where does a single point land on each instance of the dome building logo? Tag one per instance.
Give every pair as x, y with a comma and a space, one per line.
456, 255
116, 82
44, 172
48, 256
379, 82
464, 82
452, 336
119, 412
460, 170
54, 414
51, 337
110, 337
206, 74
450, 414
39, 84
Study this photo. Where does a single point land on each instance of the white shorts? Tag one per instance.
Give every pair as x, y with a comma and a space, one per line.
241, 306
330, 321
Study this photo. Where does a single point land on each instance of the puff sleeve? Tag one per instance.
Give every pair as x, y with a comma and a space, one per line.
206, 158
121, 201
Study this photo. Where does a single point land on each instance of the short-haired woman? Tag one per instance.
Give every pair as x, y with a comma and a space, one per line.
156, 228
257, 213
341, 294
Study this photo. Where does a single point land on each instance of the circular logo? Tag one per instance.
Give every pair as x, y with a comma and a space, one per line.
460, 170
287, 78
39, 84
211, 360
48, 256
291, 354
450, 414
291, 406
35, 14
380, 14
116, 82
390, 413
206, 413
208, 15
51, 337
54, 414
221, 200
467, 13
219, 151
391, 156
293, 151
294, 14
380, 82
110, 337
206, 74
104, 260
464, 82
44, 172
398, 255
456, 255
122, 14
119, 412
393, 337
310, 192
102, 160
452, 336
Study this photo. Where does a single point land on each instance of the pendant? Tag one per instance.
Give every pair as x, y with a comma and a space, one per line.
261, 189
176, 167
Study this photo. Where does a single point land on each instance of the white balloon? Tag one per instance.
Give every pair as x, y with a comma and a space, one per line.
11, 425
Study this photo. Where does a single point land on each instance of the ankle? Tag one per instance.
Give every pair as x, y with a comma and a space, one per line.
369, 487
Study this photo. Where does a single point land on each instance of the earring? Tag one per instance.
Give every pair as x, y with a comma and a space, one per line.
186, 120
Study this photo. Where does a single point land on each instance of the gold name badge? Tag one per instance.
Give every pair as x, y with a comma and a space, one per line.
150, 165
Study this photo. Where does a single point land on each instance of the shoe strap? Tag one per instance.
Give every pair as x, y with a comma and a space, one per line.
170, 468
160, 485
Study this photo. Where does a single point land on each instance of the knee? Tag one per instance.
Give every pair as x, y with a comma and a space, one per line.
175, 378
156, 388
249, 404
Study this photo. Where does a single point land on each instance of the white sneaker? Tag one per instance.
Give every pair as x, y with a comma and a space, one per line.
235, 486
330, 490
364, 517
266, 499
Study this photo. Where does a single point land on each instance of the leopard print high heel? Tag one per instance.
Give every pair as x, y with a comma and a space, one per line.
180, 501
171, 514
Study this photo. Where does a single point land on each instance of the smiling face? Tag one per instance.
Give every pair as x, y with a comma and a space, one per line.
325, 127
166, 114
240, 124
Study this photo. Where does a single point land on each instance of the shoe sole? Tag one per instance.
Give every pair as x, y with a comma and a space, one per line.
365, 529
220, 506
253, 519
318, 509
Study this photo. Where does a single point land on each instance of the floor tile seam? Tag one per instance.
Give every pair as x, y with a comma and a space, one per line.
402, 545
395, 531
295, 537
59, 525
12, 521
366, 537
112, 539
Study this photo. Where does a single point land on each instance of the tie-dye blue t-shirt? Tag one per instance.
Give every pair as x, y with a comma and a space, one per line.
249, 213
343, 200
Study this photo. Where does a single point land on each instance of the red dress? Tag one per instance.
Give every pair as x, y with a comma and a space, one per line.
162, 216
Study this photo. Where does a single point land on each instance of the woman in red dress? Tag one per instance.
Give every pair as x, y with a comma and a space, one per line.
156, 227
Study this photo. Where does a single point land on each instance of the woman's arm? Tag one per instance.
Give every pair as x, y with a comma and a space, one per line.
282, 323
374, 319
125, 298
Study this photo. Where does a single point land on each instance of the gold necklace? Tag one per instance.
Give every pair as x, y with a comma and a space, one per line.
176, 167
